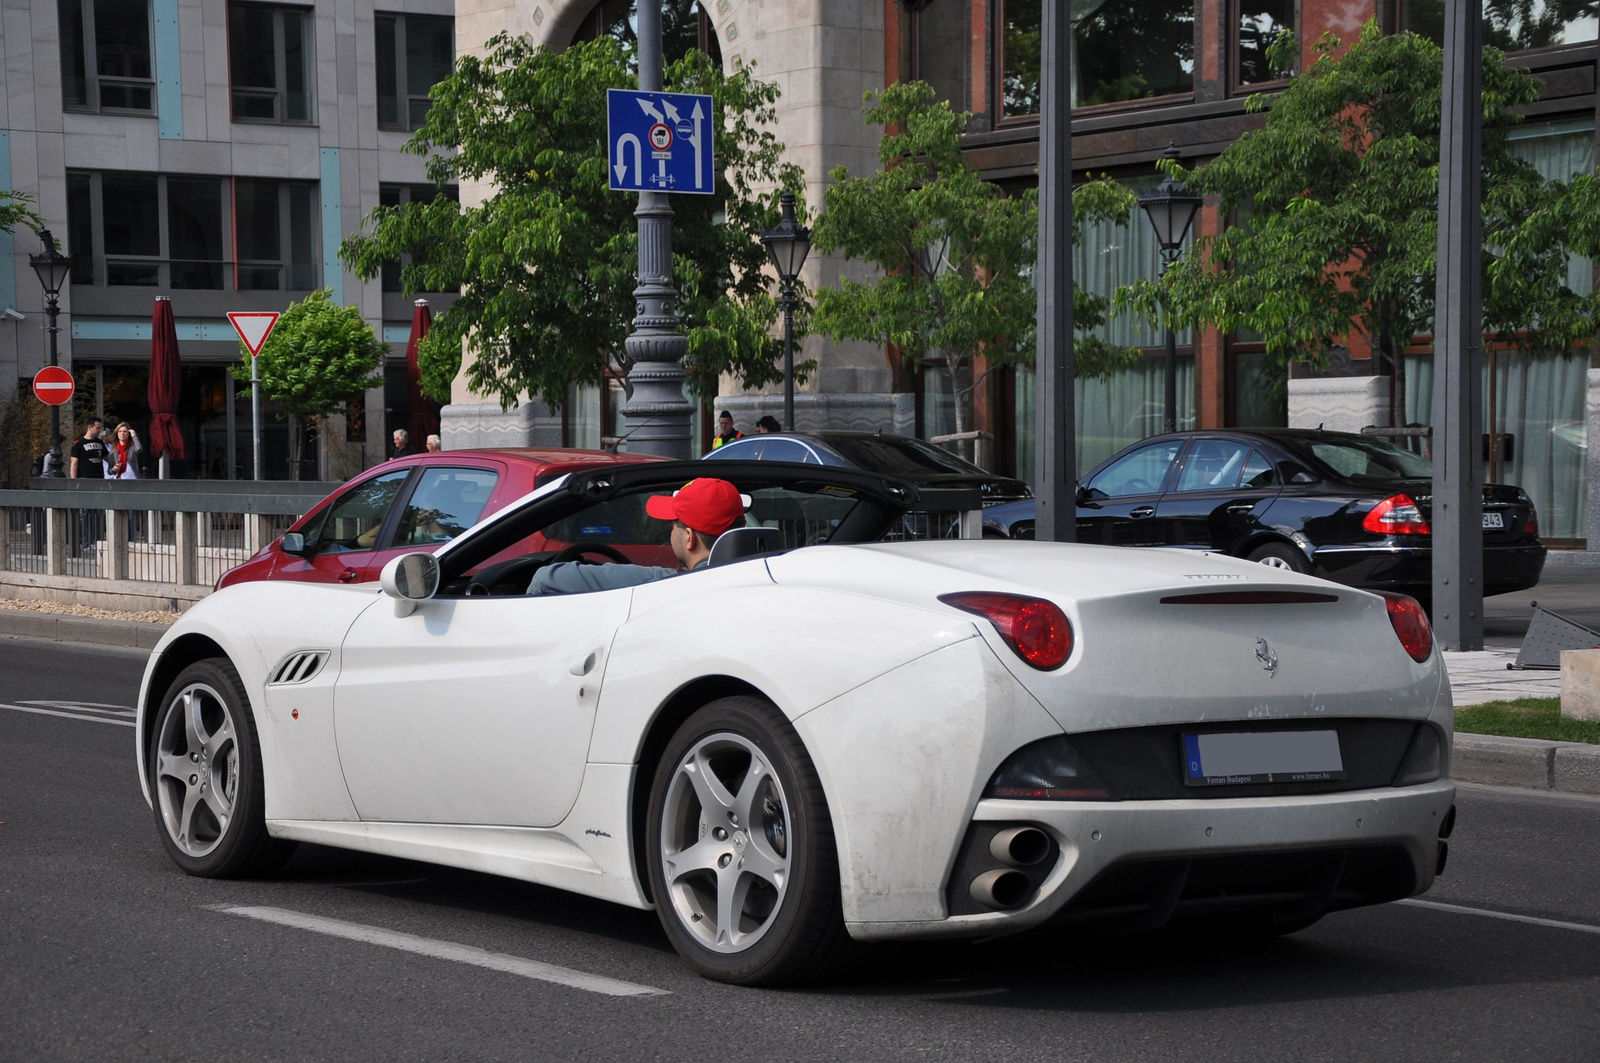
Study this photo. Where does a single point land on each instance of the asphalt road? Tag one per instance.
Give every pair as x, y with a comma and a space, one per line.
1571, 590
107, 952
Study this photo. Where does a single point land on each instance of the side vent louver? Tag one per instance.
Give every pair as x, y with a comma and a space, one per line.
299, 667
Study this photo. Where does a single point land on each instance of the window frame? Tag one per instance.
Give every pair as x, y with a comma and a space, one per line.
402, 96
284, 262
91, 66
1236, 85
280, 66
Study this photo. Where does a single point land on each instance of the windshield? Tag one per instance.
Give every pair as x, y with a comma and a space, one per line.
1371, 460
900, 456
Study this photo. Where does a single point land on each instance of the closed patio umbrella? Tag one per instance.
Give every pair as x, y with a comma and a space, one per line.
166, 385
424, 411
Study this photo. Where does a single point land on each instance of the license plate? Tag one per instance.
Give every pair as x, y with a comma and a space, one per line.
1237, 758
1494, 520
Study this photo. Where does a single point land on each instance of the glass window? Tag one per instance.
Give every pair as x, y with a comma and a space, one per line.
257, 234
80, 226
353, 520
1370, 460
446, 503
105, 55
415, 52
900, 456
785, 450
194, 232
268, 62
1121, 50
1513, 25
1261, 23
302, 259
132, 229
684, 26
1213, 465
1139, 472
1258, 472
944, 41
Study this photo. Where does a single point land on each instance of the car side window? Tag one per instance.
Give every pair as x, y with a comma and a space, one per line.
739, 450
1139, 472
352, 522
1213, 465
1258, 471
785, 450
446, 503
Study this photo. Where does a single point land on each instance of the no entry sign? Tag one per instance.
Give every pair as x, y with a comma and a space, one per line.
53, 385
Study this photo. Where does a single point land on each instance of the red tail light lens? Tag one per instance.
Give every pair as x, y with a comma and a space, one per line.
1410, 625
1036, 630
1396, 515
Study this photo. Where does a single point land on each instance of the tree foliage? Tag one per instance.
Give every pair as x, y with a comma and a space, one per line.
1338, 200
14, 211
320, 356
546, 265
955, 252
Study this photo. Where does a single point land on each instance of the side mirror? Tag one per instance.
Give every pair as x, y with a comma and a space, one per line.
293, 543
409, 579
1082, 495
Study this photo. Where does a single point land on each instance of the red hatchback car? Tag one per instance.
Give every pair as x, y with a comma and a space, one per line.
419, 500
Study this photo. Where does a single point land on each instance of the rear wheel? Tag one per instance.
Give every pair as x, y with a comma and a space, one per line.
741, 850
1281, 556
205, 777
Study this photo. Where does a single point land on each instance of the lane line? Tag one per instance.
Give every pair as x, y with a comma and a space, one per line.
69, 715
444, 950
83, 706
1457, 909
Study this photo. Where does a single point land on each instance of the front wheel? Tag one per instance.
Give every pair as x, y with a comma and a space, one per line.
741, 850
206, 780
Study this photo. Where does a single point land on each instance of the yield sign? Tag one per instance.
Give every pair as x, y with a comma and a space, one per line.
253, 327
53, 385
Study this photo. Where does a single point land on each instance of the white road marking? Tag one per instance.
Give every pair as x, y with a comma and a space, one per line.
83, 706
445, 950
68, 715
1457, 909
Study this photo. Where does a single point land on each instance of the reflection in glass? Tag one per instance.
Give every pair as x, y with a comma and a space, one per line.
1121, 50
1261, 23
1514, 25
194, 231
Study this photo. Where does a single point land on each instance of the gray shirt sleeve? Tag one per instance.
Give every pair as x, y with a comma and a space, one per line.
575, 577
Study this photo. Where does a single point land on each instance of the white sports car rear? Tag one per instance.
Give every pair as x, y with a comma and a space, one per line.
818, 737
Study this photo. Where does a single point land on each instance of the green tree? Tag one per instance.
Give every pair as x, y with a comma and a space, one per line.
954, 253
320, 356
546, 265
1341, 192
14, 211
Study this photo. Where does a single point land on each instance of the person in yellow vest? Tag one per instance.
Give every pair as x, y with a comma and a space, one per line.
726, 432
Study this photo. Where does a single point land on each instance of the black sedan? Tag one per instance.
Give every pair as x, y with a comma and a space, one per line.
1348, 508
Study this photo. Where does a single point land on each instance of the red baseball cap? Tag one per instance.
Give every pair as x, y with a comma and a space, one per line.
710, 507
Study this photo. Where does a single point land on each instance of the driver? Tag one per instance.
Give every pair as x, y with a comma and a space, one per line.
700, 511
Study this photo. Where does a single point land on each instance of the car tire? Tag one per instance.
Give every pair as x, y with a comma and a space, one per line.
1281, 556
742, 860
206, 786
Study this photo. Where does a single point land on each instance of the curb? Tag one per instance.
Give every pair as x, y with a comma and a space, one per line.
130, 633
1530, 763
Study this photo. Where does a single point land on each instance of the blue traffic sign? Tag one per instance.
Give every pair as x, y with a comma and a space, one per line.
660, 142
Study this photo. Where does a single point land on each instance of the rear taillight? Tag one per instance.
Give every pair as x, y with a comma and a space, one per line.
1396, 515
1035, 629
1531, 525
1410, 625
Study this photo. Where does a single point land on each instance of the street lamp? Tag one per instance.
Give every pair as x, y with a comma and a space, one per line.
787, 245
52, 267
1171, 210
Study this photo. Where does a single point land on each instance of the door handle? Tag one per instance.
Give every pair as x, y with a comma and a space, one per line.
585, 664
1241, 507
1139, 512
349, 575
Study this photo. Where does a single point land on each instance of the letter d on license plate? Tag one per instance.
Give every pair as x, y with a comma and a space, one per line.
1241, 757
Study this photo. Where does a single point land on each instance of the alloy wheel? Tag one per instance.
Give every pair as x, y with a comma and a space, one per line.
197, 769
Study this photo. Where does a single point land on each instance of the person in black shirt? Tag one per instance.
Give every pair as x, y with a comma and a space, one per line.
402, 444
88, 463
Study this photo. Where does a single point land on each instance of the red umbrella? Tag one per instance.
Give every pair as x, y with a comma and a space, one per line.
424, 411
166, 384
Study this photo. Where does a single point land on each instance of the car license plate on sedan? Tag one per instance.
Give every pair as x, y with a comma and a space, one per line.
1494, 520
1236, 758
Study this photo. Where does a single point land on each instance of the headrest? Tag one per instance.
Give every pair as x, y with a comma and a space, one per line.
740, 544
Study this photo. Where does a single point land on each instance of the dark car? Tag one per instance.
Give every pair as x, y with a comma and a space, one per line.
881, 452
1345, 507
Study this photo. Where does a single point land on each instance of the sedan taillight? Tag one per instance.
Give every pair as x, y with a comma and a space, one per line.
1410, 624
1035, 629
1396, 515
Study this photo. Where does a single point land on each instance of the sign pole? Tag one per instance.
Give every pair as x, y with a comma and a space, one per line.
1056, 478
255, 415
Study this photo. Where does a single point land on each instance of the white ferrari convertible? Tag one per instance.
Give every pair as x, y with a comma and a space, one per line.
816, 737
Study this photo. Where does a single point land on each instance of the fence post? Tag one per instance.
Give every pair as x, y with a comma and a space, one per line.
257, 531
117, 542
186, 528
55, 522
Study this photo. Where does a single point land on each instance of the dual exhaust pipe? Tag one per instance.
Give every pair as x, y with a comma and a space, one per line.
1007, 887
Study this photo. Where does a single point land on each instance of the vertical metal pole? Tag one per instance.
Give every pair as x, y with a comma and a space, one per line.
656, 417
1057, 475
1457, 516
1170, 384
788, 355
255, 414
52, 309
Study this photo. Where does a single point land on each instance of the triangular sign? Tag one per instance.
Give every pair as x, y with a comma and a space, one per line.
253, 327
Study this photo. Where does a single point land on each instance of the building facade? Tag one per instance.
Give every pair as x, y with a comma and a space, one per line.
214, 153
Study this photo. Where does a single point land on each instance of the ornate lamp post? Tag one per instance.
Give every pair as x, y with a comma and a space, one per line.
1171, 210
787, 245
52, 267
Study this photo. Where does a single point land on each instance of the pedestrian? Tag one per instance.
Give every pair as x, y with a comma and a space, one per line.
88, 462
726, 432
54, 465
768, 424
402, 444
126, 453
434, 444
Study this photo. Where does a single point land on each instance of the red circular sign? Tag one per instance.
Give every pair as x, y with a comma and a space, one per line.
53, 385
660, 137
